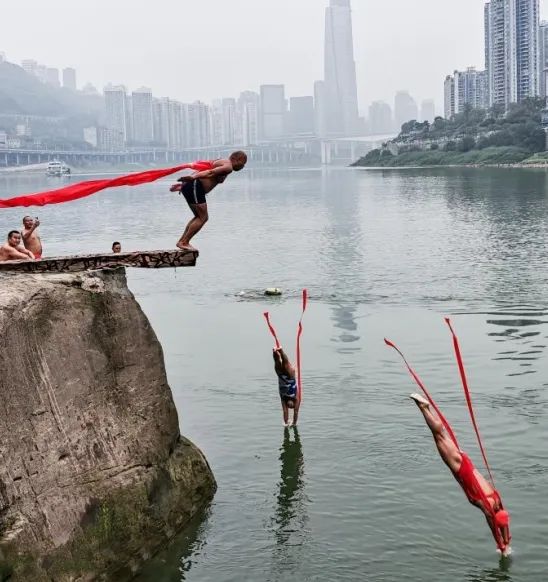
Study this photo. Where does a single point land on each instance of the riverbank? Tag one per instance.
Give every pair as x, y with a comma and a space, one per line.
488, 157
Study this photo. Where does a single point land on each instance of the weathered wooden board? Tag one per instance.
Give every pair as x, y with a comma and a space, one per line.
75, 263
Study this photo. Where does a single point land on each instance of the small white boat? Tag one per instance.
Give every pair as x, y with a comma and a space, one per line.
57, 168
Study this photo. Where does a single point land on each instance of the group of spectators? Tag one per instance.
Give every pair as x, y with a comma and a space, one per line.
26, 244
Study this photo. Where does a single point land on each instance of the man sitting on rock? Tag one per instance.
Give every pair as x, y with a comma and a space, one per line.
31, 238
13, 250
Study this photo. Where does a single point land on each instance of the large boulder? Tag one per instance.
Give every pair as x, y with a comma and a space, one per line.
94, 475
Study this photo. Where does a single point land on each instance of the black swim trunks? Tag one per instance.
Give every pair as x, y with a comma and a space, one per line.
194, 192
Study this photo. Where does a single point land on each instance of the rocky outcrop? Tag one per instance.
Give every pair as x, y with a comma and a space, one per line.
94, 475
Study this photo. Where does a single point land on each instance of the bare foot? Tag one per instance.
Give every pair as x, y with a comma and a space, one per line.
186, 247
176, 188
420, 400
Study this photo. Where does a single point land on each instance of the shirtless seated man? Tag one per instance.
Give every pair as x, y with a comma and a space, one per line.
31, 238
287, 386
476, 488
195, 188
12, 250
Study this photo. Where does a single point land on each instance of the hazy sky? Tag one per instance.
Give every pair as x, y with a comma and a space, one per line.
212, 48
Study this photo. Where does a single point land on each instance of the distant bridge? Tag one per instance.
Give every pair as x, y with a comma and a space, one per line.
259, 155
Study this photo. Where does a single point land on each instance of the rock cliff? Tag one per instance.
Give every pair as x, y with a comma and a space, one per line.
94, 475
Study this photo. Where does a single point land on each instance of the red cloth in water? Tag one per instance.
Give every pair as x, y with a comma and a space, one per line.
83, 189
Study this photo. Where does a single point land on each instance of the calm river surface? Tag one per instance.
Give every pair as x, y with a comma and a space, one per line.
359, 493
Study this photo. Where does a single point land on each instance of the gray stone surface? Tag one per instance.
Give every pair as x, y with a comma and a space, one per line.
94, 475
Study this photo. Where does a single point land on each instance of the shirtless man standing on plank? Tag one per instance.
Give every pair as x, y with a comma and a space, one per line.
195, 188
12, 251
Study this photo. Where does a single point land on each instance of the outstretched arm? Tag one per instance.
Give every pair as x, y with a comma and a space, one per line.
26, 235
223, 169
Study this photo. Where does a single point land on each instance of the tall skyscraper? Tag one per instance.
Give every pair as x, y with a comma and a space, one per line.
143, 125
405, 109
69, 78
301, 115
428, 110
320, 109
380, 118
273, 111
116, 109
340, 70
512, 50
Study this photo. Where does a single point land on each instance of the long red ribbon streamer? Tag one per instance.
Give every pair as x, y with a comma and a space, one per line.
299, 334
83, 189
426, 393
272, 330
469, 397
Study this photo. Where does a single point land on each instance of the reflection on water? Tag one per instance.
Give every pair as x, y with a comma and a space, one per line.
291, 518
500, 574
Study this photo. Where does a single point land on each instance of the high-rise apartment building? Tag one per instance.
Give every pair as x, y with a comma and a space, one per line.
463, 88
248, 108
405, 109
198, 124
449, 97
543, 58
512, 50
69, 78
29, 66
143, 125
52, 77
341, 90
116, 109
273, 112
381, 121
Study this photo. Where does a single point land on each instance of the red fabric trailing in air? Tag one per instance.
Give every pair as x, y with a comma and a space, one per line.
299, 334
272, 330
462, 372
83, 189
426, 393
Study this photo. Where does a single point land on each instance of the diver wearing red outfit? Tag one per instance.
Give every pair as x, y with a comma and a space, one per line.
476, 488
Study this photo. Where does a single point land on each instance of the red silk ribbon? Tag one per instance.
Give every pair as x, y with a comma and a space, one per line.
299, 334
464, 380
83, 189
420, 384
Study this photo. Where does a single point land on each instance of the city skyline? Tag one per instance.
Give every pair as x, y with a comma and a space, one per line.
246, 54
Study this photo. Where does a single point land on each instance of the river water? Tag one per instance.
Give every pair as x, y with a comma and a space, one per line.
358, 493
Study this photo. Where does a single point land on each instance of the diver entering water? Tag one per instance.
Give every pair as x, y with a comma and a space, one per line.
476, 488
287, 386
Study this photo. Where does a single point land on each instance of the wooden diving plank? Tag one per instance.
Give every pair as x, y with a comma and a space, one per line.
76, 263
